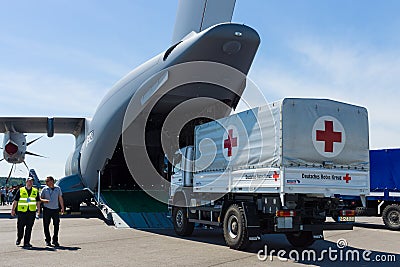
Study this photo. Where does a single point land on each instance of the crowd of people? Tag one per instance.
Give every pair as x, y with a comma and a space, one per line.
8, 193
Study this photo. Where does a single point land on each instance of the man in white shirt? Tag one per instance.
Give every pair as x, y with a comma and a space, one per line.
51, 197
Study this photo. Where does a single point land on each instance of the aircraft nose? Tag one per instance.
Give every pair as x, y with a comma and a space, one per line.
11, 148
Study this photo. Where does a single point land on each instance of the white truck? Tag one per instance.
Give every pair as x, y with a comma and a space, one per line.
273, 169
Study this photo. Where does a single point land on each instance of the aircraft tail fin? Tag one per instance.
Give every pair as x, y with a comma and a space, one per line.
36, 182
197, 15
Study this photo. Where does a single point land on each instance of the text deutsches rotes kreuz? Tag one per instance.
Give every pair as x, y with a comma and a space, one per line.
257, 176
321, 176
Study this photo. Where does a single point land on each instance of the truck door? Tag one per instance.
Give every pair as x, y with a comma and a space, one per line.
176, 173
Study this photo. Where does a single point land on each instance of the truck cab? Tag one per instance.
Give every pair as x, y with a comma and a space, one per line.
182, 170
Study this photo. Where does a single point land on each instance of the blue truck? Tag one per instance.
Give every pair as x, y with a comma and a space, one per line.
384, 197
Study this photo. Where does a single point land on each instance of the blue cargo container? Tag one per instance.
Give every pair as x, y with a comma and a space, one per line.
384, 198
385, 174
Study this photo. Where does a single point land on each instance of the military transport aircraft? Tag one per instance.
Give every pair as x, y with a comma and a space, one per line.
203, 33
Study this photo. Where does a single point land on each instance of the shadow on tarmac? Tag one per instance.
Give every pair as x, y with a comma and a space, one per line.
371, 226
52, 248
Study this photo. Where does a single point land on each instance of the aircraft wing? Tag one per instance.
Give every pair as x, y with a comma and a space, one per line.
197, 15
43, 125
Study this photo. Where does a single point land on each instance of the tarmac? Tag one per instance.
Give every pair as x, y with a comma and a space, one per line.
87, 240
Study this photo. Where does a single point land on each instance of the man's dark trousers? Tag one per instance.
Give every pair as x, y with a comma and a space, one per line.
51, 214
25, 220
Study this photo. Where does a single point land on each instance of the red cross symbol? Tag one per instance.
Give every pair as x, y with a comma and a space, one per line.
329, 136
230, 142
275, 176
347, 178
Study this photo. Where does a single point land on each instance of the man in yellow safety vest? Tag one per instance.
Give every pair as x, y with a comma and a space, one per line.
27, 204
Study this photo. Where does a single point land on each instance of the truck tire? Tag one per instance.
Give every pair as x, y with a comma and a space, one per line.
181, 223
300, 239
391, 217
235, 229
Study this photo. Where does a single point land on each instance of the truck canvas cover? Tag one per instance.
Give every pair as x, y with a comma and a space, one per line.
385, 170
290, 146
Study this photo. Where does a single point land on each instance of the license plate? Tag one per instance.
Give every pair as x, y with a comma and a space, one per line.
346, 219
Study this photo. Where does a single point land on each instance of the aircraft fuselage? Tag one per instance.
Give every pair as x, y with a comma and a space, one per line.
230, 44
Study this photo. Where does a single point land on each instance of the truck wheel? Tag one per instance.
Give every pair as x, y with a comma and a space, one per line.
235, 230
391, 217
300, 239
182, 226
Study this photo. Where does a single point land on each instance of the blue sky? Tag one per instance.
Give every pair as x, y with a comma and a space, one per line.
59, 58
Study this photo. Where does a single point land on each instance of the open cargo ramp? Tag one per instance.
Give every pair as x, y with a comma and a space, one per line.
134, 209
123, 202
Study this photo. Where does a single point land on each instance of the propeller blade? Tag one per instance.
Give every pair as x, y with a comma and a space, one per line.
9, 175
33, 154
26, 165
33, 141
